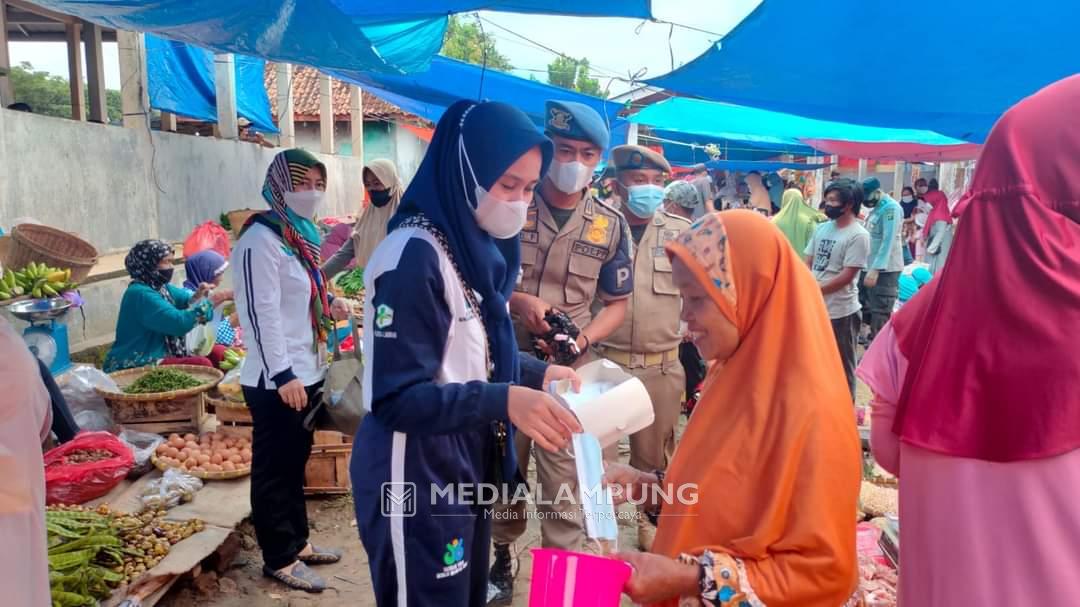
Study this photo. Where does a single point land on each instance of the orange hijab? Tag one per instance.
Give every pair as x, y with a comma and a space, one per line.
772, 444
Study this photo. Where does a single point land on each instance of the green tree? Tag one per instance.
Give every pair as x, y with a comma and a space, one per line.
51, 95
464, 40
573, 74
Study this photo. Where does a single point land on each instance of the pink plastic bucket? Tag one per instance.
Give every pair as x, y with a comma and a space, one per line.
572, 579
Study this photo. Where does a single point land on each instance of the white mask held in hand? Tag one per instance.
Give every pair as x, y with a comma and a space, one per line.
305, 203
569, 177
499, 218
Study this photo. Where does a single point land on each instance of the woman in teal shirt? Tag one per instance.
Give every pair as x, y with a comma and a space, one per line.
154, 315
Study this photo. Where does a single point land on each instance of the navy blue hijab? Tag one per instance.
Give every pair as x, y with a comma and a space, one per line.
495, 136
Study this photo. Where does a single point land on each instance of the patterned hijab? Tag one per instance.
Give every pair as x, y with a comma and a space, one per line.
142, 264
299, 234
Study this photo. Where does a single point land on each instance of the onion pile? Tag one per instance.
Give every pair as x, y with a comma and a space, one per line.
215, 452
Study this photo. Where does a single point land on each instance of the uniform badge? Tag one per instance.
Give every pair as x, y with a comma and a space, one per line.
596, 235
530, 219
601, 222
384, 316
560, 120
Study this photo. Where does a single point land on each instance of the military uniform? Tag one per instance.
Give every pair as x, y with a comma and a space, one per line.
587, 259
646, 345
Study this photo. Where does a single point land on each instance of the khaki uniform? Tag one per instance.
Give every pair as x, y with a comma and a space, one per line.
588, 259
646, 345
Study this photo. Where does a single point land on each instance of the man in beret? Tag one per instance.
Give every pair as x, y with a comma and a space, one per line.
886, 259
575, 250
646, 344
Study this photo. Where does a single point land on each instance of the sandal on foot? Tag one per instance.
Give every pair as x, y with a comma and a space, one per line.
320, 556
301, 578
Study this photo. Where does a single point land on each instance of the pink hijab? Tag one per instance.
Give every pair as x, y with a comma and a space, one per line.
939, 210
992, 342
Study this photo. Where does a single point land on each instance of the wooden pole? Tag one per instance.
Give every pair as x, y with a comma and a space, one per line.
7, 95
75, 70
168, 122
95, 73
326, 114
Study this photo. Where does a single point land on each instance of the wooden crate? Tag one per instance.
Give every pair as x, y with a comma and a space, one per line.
328, 470
329, 437
234, 422
163, 416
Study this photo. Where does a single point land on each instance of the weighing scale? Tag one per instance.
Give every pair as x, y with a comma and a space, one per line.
46, 338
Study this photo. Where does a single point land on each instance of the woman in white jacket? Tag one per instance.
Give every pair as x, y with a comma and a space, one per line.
285, 312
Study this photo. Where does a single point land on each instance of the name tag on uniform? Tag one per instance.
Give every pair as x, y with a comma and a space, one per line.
530, 237
589, 250
658, 251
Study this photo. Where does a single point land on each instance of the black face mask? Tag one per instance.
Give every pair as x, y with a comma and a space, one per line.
166, 275
379, 198
834, 212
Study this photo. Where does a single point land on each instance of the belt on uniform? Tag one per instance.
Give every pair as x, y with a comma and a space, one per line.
635, 360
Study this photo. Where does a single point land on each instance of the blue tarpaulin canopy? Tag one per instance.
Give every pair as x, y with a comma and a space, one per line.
393, 37
698, 121
968, 61
763, 166
181, 80
429, 93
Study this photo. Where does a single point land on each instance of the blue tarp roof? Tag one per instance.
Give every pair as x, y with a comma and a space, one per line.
763, 166
181, 80
967, 62
429, 93
723, 121
346, 34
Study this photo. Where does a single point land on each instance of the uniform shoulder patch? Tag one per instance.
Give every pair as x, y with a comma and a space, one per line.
607, 206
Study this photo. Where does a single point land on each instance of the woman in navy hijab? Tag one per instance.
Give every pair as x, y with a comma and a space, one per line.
444, 383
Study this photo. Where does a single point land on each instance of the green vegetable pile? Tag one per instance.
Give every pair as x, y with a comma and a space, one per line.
162, 379
351, 282
91, 552
232, 358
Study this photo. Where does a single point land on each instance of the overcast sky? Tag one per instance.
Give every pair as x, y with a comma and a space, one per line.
614, 46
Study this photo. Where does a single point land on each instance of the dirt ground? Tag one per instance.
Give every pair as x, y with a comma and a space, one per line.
332, 524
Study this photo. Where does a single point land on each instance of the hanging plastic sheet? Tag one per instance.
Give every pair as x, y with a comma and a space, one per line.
310, 32
390, 37
950, 66
180, 78
763, 166
449, 80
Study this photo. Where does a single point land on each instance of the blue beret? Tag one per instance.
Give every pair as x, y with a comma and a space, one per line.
575, 121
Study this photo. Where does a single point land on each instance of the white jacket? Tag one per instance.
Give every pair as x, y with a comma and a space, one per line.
273, 301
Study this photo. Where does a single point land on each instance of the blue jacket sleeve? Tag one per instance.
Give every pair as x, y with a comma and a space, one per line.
410, 333
891, 218
182, 297
532, 371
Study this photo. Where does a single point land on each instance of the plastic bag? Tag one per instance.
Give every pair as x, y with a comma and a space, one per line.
68, 482
208, 235
230, 386
89, 408
173, 488
142, 445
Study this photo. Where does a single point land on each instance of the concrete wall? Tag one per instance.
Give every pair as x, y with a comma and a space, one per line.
381, 140
115, 186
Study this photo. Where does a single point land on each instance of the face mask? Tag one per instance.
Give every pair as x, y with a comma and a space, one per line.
304, 203
501, 219
871, 202
907, 198
596, 501
644, 199
569, 177
379, 198
834, 212
921, 189
166, 275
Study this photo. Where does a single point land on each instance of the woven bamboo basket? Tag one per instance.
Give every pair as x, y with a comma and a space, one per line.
234, 418
161, 412
52, 247
237, 220
208, 476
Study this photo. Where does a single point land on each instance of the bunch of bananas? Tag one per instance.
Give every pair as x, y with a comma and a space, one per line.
231, 360
36, 280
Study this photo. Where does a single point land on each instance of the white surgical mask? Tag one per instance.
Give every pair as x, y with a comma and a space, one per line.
596, 500
304, 203
499, 218
569, 177
906, 198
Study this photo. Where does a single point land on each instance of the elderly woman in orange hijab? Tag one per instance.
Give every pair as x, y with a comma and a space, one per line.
771, 453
